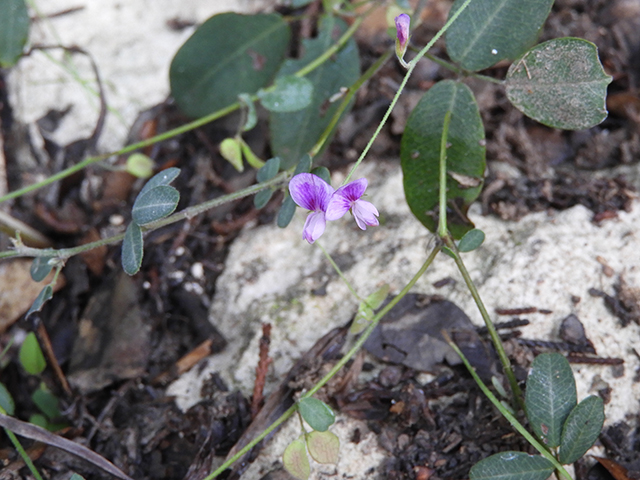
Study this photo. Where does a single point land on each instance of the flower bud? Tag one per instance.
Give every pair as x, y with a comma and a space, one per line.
403, 22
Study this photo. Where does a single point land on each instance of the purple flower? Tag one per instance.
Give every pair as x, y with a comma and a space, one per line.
311, 192
403, 22
348, 198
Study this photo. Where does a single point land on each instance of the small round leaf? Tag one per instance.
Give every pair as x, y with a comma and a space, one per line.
40, 268
44, 296
316, 413
6, 400
295, 459
287, 210
165, 177
290, 94
323, 173
262, 198
512, 466
47, 402
269, 170
304, 165
471, 240
132, 249
560, 83
31, 356
39, 420
155, 204
324, 447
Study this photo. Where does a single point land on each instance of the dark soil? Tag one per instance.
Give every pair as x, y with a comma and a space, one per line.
120, 409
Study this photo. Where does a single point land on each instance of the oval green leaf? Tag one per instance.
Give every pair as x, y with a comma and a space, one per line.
132, 249
290, 94
560, 83
269, 170
492, 30
316, 413
40, 268
47, 402
581, 430
31, 357
14, 31
229, 54
39, 420
155, 204
295, 459
43, 297
286, 212
550, 396
324, 447
294, 133
420, 155
165, 177
471, 240
512, 466
304, 165
323, 173
6, 401
262, 198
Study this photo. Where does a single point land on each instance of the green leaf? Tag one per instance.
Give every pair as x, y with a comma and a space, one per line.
420, 155
14, 31
44, 296
471, 240
550, 396
132, 249
155, 204
39, 420
293, 134
6, 400
31, 356
316, 413
269, 170
560, 83
295, 459
492, 30
287, 210
140, 165
229, 54
252, 116
164, 177
75, 476
40, 268
512, 466
47, 402
262, 198
324, 447
304, 165
365, 309
290, 94
231, 151
581, 430
323, 173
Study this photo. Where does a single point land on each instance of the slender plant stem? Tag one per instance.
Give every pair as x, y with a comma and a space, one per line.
21, 451
182, 129
187, 213
356, 347
493, 333
339, 271
442, 217
506, 413
412, 65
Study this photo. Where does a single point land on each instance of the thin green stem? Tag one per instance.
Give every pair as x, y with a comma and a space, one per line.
493, 333
187, 213
23, 454
339, 272
179, 130
442, 217
506, 413
412, 66
356, 347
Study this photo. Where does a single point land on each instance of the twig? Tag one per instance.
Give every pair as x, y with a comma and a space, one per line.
261, 370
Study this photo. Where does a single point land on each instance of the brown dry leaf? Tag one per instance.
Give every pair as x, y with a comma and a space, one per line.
18, 291
616, 470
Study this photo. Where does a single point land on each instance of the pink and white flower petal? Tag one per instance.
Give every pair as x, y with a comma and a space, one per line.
338, 206
314, 226
352, 191
310, 191
365, 214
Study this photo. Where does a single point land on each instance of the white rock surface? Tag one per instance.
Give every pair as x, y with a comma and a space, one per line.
541, 261
132, 45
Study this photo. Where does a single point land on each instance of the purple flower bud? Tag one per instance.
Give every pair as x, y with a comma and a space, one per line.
403, 21
311, 192
348, 198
